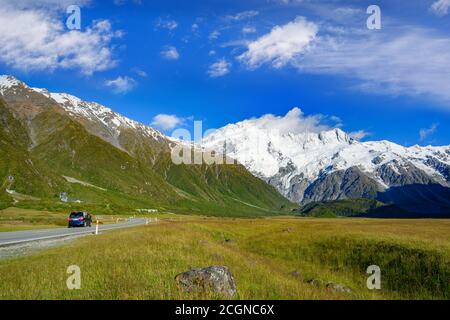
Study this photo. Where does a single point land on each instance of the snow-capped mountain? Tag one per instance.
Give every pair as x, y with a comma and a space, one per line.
95, 112
100, 120
8, 82
55, 142
310, 164
304, 160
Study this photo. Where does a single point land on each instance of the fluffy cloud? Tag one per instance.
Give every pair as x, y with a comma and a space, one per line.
121, 85
294, 122
411, 61
408, 60
440, 7
426, 132
281, 45
219, 68
34, 37
359, 135
170, 53
167, 121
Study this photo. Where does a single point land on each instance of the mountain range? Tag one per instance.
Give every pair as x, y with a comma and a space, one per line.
328, 165
54, 143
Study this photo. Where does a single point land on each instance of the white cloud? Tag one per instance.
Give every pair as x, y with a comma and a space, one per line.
288, 1
347, 12
122, 2
281, 45
214, 35
219, 68
33, 37
170, 53
409, 61
168, 24
440, 7
426, 132
359, 135
121, 85
243, 15
43, 4
248, 30
295, 122
167, 121
140, 73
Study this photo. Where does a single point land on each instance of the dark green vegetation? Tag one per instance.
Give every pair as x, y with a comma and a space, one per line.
369, 208
49, 151
341, 208
270, 258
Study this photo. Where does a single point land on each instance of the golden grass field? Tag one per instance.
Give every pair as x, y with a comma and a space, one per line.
271, 258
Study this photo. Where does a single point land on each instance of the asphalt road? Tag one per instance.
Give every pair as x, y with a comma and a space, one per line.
17, 237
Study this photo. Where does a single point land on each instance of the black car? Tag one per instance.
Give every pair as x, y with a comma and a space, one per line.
80, 219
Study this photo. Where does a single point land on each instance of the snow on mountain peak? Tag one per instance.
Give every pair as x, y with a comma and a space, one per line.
293, 148
267, 144
110, 121
7, 82
99, 120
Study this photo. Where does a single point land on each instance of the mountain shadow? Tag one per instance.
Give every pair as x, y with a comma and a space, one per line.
415, 200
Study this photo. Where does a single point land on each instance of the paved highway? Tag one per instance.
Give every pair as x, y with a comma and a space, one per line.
17, 237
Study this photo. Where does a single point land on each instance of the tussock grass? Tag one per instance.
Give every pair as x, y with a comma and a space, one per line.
415, 272
271, 258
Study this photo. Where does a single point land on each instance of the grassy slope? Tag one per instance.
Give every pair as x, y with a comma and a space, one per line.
228, 189
30, 175
141, 263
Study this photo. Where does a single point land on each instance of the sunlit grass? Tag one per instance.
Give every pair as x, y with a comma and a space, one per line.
15, 219
270, 258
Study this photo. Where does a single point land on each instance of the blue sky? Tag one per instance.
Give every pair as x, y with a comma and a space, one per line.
169, 62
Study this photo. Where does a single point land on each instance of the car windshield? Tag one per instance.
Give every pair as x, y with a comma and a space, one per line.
76, 214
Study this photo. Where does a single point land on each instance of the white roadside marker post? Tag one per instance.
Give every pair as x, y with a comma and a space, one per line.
96, 228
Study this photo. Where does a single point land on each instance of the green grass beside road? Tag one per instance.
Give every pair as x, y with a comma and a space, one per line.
271, 258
